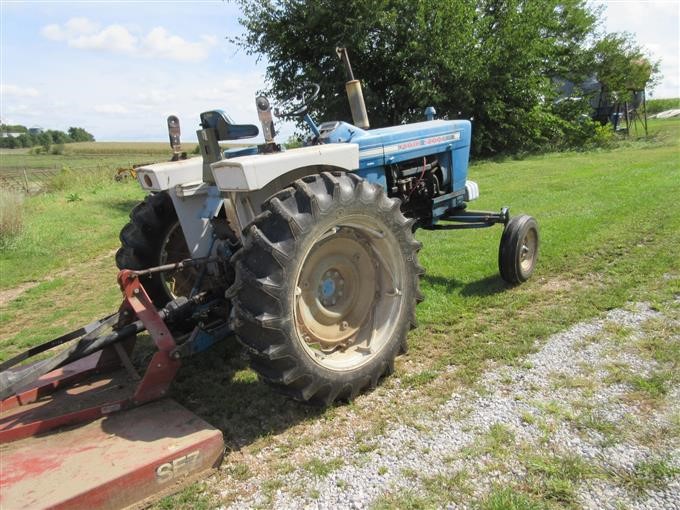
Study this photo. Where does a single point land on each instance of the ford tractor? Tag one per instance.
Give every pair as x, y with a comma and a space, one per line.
312, 248
306, 255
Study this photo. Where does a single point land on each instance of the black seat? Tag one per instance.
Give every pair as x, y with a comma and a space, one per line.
224, 128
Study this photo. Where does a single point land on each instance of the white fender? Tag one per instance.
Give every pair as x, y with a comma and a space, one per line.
249, 173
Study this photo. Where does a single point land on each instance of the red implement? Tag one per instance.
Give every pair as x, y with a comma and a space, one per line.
117, 458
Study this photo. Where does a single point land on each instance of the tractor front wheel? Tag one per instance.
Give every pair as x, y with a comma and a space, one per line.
518, 250
326, 287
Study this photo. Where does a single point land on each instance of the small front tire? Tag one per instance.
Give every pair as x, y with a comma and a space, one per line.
518, 250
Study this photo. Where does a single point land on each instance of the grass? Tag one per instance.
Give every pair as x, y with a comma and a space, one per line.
660, 105
650, 474
438, 490
11, 217
609, 232
507, 498
62, 232
553, 478
321, 468
607, 227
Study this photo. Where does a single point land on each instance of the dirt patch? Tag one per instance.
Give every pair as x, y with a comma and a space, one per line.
9, 295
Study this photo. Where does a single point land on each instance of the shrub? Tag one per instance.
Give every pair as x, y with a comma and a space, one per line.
61, 180
11, 216
603, 137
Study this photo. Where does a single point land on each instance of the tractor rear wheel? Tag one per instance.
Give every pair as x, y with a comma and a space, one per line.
154, 237
518, 249
326, 287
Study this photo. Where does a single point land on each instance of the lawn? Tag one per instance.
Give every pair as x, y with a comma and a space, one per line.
609, 229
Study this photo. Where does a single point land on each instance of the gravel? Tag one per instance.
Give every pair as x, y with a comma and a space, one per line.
542, 406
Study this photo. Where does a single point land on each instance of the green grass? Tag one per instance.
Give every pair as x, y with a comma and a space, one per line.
554, 478
322, 468
509, 499
660, 105
608, 226
650, 474
60, 232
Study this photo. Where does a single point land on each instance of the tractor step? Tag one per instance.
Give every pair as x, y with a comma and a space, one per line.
113, 462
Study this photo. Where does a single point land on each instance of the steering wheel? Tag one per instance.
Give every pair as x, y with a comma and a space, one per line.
299, 103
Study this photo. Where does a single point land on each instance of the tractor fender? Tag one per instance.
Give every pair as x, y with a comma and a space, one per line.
260, 171
164, 176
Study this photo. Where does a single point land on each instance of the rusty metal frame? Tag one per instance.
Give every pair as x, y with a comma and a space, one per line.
153, 385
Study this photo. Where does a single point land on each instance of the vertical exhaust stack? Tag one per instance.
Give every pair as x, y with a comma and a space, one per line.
354, 93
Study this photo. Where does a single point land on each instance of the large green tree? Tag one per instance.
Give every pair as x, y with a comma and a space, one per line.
493, 61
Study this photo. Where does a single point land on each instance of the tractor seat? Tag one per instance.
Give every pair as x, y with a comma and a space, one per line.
224, 128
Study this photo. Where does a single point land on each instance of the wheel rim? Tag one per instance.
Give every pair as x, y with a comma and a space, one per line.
174, 249
348, 294
527, 253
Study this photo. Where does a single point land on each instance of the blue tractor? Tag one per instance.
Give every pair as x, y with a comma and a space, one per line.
310, 252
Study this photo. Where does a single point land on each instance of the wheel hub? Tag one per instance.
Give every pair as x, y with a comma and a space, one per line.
331, 287
527, 252
337, 286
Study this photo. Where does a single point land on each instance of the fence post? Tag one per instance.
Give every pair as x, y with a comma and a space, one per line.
26, 181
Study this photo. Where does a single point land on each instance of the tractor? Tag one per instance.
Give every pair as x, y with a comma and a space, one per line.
307, 255
311, 250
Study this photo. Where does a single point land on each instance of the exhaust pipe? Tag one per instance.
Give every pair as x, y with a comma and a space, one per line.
354, 93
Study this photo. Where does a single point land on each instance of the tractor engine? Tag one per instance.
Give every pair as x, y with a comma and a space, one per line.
416, 182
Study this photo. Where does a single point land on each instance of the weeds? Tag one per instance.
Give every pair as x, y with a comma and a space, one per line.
647, 475
507, 498
321, 468
11, 217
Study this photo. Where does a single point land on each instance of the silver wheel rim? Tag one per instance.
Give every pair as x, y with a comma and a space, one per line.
349, 293
173, 249
527, 251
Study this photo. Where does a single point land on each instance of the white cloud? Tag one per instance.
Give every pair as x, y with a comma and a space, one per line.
83, 33
159, 43
111, 109
155, 96
17, 91
75, 27
115, 38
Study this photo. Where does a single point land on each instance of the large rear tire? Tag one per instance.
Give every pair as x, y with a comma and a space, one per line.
326, 287
154, 237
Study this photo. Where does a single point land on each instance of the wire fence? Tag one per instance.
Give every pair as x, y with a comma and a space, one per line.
28, 180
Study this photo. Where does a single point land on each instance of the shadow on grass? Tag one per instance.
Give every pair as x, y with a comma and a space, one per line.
220, 388
124, 206
487, 286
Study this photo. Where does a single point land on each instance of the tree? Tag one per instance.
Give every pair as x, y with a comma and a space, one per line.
621, 64
79, 135
493, 61
58, 137
489, 60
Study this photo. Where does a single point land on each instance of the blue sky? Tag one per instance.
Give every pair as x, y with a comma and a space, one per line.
118, 69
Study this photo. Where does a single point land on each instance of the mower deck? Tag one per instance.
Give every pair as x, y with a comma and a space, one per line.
112, 462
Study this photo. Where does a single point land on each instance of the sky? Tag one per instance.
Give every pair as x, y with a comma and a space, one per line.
119, 68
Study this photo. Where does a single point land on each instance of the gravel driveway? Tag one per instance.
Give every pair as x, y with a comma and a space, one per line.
590, 420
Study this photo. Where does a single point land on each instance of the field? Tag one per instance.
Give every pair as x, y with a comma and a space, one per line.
21, 169
610, 235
